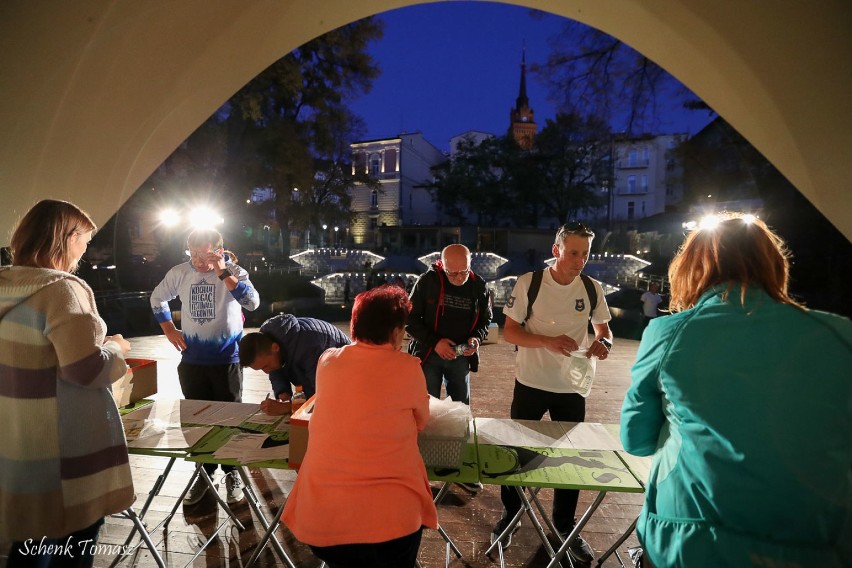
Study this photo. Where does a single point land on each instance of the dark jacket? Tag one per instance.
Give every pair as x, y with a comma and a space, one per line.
302, 341
427, 299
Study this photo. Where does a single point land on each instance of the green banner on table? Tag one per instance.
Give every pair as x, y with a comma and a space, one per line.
561, 468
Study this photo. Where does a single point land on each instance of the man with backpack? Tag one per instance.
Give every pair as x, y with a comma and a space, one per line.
547, 317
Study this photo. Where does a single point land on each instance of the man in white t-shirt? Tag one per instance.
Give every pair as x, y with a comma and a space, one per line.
650, 302
557, 326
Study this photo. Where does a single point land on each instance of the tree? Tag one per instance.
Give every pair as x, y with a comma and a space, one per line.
474, 184
590, 70
282, 125
573, 163
502, 183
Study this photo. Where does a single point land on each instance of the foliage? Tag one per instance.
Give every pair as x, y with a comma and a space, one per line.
573, 162
588, 69
498, 181
286, 130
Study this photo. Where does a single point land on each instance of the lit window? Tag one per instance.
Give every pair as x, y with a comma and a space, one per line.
631, 184
374, 198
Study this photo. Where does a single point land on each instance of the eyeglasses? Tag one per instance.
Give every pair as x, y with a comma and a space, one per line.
457, 273
574, 228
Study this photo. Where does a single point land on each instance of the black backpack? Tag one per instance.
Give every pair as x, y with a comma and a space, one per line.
535, 285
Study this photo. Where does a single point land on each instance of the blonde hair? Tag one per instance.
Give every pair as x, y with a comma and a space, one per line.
200, 237
740, 251
40, 238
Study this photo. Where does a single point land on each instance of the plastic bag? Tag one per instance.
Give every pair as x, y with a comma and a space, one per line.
579, 371
447, 418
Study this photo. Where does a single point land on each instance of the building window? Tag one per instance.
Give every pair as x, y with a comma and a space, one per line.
631, 210
645, 156
375, 165
374, 198
632, 156
390, 160
644, 184
643, 208
374, 223
631, 184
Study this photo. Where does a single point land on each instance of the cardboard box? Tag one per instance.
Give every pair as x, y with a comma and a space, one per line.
138, 382
299, 433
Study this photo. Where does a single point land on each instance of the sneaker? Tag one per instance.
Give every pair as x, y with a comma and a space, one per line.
196, 492
500, 527
233, 487
580, 551
472, 487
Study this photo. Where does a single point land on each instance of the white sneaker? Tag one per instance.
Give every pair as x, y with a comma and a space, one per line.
474, 488
233, 487
196, 492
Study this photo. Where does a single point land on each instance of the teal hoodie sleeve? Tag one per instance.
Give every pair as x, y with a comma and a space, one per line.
642, 416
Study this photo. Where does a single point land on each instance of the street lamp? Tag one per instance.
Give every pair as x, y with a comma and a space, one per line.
336, 228
322, 237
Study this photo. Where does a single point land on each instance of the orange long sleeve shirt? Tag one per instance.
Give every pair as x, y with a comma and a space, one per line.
362, 479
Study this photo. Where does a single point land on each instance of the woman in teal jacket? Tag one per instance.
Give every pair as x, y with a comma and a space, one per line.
744, 399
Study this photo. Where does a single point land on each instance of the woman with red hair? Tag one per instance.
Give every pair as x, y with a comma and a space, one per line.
743, 397
362, 496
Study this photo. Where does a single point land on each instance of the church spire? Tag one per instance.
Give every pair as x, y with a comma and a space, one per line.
522, 125
522, 101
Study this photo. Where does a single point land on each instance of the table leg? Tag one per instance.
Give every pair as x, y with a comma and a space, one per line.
617, 543
442, 532
269, 528
155, 490
577, 528
143, 533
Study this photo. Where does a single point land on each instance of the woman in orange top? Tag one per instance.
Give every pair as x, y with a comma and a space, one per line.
362, 496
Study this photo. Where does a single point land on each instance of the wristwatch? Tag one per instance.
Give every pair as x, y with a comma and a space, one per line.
224, 274
606, 343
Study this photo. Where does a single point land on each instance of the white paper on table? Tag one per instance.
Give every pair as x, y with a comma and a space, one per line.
266, 454
221, 413
263, 418
169, 438
283, 426
238, 444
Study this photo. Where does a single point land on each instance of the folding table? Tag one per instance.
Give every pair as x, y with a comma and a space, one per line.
467, 472
556, 455
199, 453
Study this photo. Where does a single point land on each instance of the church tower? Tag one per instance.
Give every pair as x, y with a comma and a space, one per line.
522, 125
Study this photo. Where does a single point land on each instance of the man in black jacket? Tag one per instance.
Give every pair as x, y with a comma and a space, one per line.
288, 348
449, 319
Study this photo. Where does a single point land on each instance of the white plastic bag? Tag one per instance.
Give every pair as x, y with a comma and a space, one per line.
447, 419
579, 371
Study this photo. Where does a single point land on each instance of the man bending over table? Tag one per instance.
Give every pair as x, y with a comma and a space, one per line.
287, 348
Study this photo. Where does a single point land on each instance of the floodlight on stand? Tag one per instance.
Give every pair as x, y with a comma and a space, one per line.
204, 218
168, 217
709, 222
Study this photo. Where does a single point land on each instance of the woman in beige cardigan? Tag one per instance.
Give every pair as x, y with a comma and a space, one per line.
63, 456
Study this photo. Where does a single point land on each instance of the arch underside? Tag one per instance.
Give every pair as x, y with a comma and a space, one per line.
97, 93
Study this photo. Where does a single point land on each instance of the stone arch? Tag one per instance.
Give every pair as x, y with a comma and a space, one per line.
95, 94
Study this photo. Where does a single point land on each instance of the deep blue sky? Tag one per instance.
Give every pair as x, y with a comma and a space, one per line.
451, 67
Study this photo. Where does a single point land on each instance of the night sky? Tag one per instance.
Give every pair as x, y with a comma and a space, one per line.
451, 67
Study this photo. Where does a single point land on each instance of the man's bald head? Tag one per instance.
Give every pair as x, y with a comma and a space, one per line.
456, 261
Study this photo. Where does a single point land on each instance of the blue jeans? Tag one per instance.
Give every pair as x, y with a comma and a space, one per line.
456, 373
70, 551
